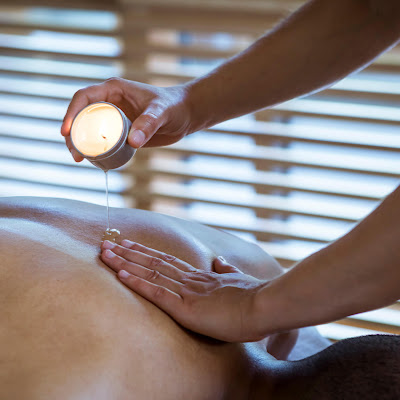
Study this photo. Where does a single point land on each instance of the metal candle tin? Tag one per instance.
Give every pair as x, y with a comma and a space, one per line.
116, 156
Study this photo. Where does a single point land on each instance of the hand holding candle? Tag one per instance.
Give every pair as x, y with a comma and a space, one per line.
159, 116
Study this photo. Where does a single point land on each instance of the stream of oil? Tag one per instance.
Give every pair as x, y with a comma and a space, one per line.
110, 234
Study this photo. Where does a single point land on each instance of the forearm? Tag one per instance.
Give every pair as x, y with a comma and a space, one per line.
318, 45
357, 273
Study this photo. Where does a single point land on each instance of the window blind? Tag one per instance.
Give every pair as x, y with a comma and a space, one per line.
292, 178
47, 52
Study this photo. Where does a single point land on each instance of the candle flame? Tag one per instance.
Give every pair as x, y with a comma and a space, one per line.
96, 129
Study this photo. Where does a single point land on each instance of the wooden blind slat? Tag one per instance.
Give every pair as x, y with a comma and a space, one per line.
283, 205
319, 134
271, 180
277, 156
58, 69
337, 110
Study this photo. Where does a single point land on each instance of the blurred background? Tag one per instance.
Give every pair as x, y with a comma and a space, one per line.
292, 178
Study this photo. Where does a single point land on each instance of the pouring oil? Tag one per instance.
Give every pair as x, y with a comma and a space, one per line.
110, 234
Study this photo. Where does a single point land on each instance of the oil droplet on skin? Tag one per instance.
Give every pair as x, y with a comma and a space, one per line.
110, 234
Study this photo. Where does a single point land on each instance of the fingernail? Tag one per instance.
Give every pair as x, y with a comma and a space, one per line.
108, 245
126, 243
123, 274
222, 259
109, 254
138, 137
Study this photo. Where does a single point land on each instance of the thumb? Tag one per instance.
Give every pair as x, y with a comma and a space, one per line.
145, 126
222, 267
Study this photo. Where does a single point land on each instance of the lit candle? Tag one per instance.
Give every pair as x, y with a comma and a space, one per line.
99, 133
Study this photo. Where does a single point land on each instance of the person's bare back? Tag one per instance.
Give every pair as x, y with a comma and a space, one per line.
70, 329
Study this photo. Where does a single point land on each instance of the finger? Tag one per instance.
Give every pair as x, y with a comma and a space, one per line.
149, 262
118, 263
222, 267
163, 298
77, 157
145, 126
182, 265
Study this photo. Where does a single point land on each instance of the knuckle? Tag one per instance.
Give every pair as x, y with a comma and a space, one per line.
159, 292
168, 257
199, 275
185, 281
134, 246
150, 120
155, 262
151, 115
123, 252
79, 93
83, 91
114, 80
152, 275
121, 263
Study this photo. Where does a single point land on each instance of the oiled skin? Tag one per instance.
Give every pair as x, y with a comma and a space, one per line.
70, 330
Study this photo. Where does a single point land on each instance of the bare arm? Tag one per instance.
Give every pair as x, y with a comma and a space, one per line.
321, 43
357, 273
318, 45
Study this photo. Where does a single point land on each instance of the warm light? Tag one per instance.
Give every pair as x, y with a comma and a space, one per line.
96, 129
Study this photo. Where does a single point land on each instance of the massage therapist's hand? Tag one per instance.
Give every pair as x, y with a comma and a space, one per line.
162, 112
217, 304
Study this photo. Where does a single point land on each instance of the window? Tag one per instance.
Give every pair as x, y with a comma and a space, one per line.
292, 178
